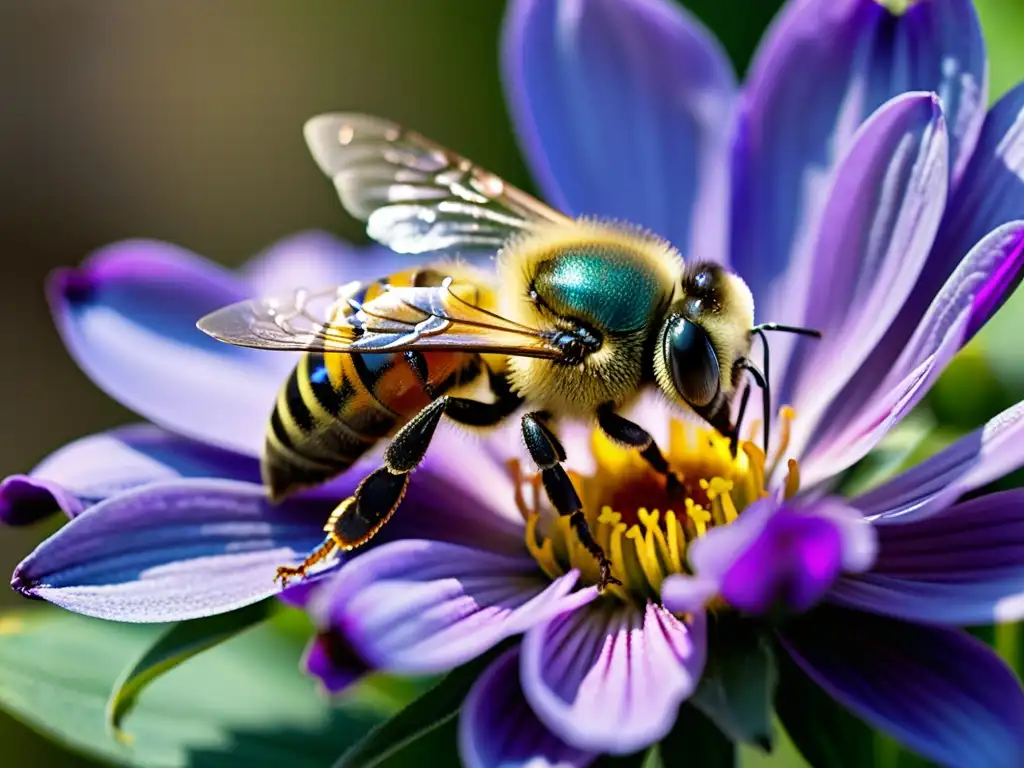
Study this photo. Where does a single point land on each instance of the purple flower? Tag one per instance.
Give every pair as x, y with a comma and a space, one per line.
858, 186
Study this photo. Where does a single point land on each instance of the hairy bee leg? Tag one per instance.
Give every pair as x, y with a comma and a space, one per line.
547, 452
357, 519
626, 432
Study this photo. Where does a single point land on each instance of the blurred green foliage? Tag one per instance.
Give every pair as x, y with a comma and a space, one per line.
433, 65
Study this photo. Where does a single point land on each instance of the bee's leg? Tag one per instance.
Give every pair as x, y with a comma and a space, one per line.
626, 432
357, 519
548, 453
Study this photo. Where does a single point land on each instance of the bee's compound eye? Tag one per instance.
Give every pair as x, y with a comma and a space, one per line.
692, 362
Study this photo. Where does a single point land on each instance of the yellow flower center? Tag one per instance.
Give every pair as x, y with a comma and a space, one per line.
645, 533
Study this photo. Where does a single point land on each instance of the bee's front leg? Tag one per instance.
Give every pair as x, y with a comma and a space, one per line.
632, 435
548, 453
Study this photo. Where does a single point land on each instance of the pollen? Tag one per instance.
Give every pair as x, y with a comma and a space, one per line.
644, 531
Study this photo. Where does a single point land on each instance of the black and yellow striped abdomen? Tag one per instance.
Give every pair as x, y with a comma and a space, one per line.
335, 407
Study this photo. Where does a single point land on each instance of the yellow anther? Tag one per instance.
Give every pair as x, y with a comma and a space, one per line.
643, 532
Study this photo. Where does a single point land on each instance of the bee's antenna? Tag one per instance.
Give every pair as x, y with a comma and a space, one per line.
763, 379
759, 330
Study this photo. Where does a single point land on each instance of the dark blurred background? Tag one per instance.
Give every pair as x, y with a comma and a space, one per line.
181, 120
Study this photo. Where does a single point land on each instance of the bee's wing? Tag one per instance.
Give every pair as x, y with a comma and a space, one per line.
442, 317
414, 195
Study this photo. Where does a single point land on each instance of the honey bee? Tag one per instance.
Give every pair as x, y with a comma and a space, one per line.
577, 318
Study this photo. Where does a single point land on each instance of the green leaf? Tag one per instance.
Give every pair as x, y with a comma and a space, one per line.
243, 702
738, 684
694, 741
436, 709
180, 643
823, 731
897, 449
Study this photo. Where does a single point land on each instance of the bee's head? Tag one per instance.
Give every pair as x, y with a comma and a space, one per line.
705, 331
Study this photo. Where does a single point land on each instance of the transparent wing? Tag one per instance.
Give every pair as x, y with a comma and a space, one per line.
414, 195
444, 317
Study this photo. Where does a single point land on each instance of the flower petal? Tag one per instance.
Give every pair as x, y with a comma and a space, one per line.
775, 558
128, 317
315, 260
172, 551
330, 658
938, 691
94, 468
824, 66
623, 109
497, 729
962, 566
640, 666
894, 380
883, 210
990, 194
988, 453
421, 607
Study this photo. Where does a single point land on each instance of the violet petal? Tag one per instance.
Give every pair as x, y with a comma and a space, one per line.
990, 194
823, 67
497, 728
94, 468
964, 565
640, 666
332, 660
883, 392
421, 607
623, 108
128, 317
883, 210
172, 551
988, 453
938, 691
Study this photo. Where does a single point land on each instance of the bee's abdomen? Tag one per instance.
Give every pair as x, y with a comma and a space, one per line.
320, 426
336, 407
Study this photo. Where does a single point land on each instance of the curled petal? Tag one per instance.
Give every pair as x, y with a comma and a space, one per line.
939, 691
498, 729
974, 460
883, 210
128, 317
172, 551
623, 108
824, 66
894, 380
964, 565
637, 666
422, 607
990, 194
94, 468
332, 660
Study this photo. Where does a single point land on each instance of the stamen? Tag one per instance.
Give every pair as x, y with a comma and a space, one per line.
645, 533
786, 414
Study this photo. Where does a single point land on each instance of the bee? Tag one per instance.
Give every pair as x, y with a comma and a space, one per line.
578, 317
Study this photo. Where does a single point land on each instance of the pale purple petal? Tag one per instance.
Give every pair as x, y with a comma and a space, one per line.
497, 728
332, 660
94, 468
824, 66
886, 388
988, 453
128, 317
421, 607
962, 566
314, 260
172, 551
938, 691
623, 108
878, 225
610, 678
